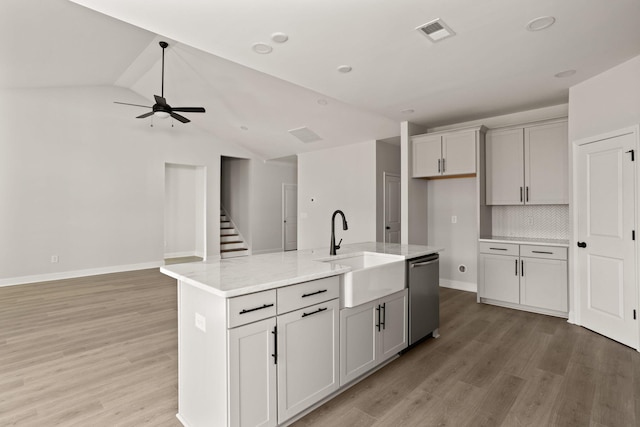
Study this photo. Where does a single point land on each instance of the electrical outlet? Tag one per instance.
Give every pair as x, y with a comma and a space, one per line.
54, 259
454, 219
201, 322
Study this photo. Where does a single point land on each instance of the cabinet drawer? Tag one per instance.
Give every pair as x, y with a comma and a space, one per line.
550, 252
250, 308
499, 248
308, 293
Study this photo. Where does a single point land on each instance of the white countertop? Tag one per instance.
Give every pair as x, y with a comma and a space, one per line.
244, 275
527, 241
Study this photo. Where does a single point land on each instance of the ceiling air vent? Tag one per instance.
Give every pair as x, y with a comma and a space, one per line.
305, 135
436, 30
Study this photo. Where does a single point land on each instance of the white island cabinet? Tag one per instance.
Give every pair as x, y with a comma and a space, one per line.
259, 339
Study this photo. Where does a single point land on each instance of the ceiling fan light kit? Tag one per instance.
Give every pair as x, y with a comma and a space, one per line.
161, 109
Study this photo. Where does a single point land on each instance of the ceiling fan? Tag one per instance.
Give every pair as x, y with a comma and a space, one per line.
161, 109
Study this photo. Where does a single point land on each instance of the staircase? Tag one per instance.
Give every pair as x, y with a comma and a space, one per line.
231, 243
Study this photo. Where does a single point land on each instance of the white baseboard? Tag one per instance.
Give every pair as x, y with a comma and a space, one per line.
457, 284
77, 273
181, 254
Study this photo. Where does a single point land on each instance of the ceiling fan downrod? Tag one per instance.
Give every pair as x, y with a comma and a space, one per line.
163, 45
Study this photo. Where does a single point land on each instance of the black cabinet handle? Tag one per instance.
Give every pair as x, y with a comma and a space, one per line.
542, 252
498, 249
443, 168
378, 312
520, 193
516, 267
527, 198
384, 316
313, 293
314, 312
522, 268
275, 345
438, 165
256, 309
582, 244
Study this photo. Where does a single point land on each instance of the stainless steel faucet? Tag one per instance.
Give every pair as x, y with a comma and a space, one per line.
334, 247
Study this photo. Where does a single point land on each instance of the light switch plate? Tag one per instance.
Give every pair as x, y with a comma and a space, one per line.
201, 322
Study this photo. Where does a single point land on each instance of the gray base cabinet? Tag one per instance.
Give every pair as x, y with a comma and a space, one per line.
530, 277
372, 333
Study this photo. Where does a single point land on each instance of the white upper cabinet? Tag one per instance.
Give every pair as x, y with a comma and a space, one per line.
445, 154
546, 154
528, 165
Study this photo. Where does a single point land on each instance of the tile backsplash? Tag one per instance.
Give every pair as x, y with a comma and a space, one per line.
532, 221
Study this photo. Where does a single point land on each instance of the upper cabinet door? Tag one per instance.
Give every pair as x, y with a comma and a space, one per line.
505, 167
427, 156
459, 153
546, 164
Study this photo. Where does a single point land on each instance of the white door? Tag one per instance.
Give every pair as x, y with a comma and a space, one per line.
391, 208
606, 219
459, 153
252, 375
394, 328
308, 357
290, 216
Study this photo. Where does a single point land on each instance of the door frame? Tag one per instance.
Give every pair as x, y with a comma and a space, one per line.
385, 174
574, 292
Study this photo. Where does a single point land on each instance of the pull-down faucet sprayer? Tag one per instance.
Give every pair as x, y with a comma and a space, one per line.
334, 247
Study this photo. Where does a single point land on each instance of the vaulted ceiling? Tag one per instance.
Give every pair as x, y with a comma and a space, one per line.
493, 65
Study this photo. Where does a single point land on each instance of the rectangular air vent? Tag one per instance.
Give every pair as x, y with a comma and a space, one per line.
436, 30
305, 135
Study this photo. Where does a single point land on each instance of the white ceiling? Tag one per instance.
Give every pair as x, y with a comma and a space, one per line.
492, 66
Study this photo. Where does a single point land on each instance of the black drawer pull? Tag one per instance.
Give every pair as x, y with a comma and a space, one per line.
498, 249
542, 252
256, 309
314, 312
314, 293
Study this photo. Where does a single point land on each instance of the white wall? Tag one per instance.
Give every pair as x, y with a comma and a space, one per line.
606, 102
447, 198
387, 160
339, 178
180, 211
82, 179
266, 203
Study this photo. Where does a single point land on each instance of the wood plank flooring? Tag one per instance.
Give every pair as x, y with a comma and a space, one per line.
102, 351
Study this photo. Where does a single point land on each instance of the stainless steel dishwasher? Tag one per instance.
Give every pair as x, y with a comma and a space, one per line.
424, 297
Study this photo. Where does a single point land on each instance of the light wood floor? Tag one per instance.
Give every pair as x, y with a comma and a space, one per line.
102, 351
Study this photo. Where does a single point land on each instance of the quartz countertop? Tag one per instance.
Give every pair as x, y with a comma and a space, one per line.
244, 275
527, 241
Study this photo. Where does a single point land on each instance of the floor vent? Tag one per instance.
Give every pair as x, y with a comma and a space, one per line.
436, 30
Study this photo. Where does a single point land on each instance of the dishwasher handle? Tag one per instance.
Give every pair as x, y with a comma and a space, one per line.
421, 264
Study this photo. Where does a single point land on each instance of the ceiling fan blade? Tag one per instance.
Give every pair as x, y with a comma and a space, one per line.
160, 100
180, 118
188, 109
150, 113
135, 105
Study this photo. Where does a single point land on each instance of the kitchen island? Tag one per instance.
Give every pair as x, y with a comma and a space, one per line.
262, 339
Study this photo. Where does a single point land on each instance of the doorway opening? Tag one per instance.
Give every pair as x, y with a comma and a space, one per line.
184, 213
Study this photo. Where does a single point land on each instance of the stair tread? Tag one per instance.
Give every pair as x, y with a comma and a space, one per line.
231, 242
234, 250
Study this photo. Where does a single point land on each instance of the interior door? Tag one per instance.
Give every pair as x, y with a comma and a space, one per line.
606, 219
391, 208
290, 216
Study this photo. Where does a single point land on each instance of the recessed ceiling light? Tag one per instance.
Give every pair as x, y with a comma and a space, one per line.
322, 101
345, 68
279, 37
262, 48
244, 128
541, 23
567, 73
408, 111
